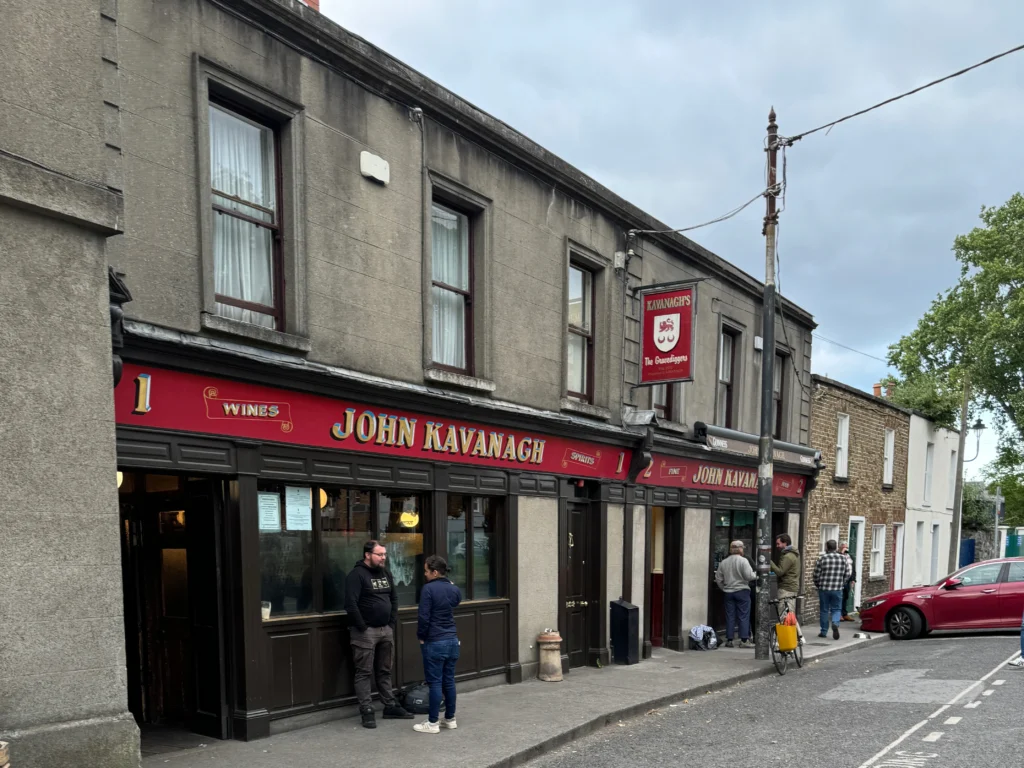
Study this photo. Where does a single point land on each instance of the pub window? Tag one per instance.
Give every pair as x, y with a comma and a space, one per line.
476, 545
663, 401
311, 537
246, 218
726, 376
452, 288
778, 394
580, 335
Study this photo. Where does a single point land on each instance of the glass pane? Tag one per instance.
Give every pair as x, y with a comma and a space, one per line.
725, 368
286, 564
1016, 573
579, 298
401, 531
980, 576
346, 523
458, 571
487, 547
242, 208
174, 582
242, 158
723, 405
576, 379
449, 327
659, 395
243, 256
777, 372
720, 545
449, 255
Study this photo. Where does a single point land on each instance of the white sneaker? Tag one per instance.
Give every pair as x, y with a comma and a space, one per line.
427, 727
1018, 662
451, 725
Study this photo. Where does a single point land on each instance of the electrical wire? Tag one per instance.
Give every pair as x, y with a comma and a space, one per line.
782, 312
790, 140
830, 341
723, 217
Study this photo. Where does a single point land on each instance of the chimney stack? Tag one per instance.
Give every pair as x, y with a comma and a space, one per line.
878, 390
314, 4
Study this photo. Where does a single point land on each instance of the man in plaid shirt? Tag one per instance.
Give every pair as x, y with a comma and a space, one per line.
831, 572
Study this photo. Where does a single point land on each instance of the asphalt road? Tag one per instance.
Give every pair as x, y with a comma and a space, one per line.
840, 711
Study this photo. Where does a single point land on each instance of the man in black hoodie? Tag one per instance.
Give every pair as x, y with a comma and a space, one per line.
372, 605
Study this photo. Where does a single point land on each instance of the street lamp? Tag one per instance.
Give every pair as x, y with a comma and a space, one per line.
976, 430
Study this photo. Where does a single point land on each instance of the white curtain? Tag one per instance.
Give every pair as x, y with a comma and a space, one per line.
449, 265
242, 166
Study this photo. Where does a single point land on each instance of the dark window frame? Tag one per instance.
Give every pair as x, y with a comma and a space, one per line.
588, 395
730, 405
277, 311
778, 398
427, 513
664, 410
469, 338
499, 529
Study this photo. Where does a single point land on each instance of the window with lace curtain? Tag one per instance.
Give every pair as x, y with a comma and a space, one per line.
452, 288
246, 218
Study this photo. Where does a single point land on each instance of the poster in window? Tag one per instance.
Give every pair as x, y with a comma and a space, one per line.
298, 508
269, 505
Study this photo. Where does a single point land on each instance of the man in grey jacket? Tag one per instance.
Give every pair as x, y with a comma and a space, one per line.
733, 577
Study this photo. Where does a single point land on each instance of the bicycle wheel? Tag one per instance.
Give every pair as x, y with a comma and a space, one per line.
779, 659
798, 655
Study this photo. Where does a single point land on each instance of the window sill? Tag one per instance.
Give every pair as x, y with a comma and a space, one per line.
672, 426
585, 409
881, 577
255, 333
841, 480
461, 380
887, 487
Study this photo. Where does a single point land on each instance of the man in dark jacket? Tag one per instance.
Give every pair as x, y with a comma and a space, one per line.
372, 605
788, 572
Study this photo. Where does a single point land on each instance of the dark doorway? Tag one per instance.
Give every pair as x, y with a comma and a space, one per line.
578, 593
171, 562
657, 545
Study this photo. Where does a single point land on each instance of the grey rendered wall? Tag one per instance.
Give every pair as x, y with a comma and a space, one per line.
538, 575
62, 693
696, 554
616, 540
639, 550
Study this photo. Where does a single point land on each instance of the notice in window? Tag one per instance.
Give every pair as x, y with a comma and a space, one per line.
269, 512
298, 508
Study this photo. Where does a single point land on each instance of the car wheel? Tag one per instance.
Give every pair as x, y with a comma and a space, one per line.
904, 624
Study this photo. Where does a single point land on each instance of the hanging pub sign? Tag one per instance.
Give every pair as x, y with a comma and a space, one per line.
667, 328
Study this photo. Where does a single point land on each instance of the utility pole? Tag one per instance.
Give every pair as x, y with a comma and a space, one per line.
958, 492
765, 445
999, 498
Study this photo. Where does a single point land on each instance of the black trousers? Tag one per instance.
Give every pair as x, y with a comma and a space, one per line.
846, 597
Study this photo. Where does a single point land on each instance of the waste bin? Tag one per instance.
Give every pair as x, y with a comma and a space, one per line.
625, 632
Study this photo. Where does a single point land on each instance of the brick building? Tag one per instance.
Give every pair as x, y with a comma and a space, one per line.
861, 495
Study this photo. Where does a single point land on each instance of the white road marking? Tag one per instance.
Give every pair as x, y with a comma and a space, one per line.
938, 712
933, 736
989, 692
953, 720
972, 705
886, 750
998, 682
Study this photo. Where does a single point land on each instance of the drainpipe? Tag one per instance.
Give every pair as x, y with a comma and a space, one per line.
416, 114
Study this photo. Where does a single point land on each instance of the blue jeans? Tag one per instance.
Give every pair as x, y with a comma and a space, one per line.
737, 605
439, 669
830, 601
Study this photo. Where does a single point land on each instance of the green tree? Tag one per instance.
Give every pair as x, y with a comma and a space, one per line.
976, 328
977, 511
930, 394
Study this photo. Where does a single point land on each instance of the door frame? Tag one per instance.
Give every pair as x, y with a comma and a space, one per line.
899, 546
860, 554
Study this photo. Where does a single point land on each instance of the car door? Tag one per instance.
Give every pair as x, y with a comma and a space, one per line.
1011, 595
974, 603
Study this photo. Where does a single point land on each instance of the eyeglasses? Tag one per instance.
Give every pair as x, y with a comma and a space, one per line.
379, 554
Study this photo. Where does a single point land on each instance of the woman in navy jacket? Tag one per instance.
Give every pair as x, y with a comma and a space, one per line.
439, 642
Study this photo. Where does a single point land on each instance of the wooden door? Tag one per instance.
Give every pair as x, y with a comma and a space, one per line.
577, 581
204, 511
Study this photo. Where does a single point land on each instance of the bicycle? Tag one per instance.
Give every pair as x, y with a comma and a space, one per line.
790, 645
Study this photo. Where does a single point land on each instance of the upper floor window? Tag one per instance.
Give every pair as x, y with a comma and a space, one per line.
890, 456
580, 336
778, 385
452, 294
726, 373
843, 445
246, 221
951, 493
663, 401
929, 464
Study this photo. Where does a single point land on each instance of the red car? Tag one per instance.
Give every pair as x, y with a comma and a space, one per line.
986, 595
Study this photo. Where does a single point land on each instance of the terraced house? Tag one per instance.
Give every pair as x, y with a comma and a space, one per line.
354, 306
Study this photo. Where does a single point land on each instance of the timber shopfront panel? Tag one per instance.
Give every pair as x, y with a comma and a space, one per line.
303, 481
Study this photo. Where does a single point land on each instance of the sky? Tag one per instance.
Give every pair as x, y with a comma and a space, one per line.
666, 103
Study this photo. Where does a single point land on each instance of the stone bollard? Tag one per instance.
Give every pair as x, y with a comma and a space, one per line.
550, 644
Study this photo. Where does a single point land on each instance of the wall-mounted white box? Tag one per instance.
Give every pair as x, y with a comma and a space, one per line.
374, 167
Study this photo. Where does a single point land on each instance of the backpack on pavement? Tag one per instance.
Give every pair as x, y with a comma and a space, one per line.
703, 638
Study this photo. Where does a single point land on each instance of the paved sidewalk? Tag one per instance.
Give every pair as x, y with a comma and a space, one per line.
508, 725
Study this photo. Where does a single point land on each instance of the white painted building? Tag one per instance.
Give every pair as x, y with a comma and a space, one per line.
931, 475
